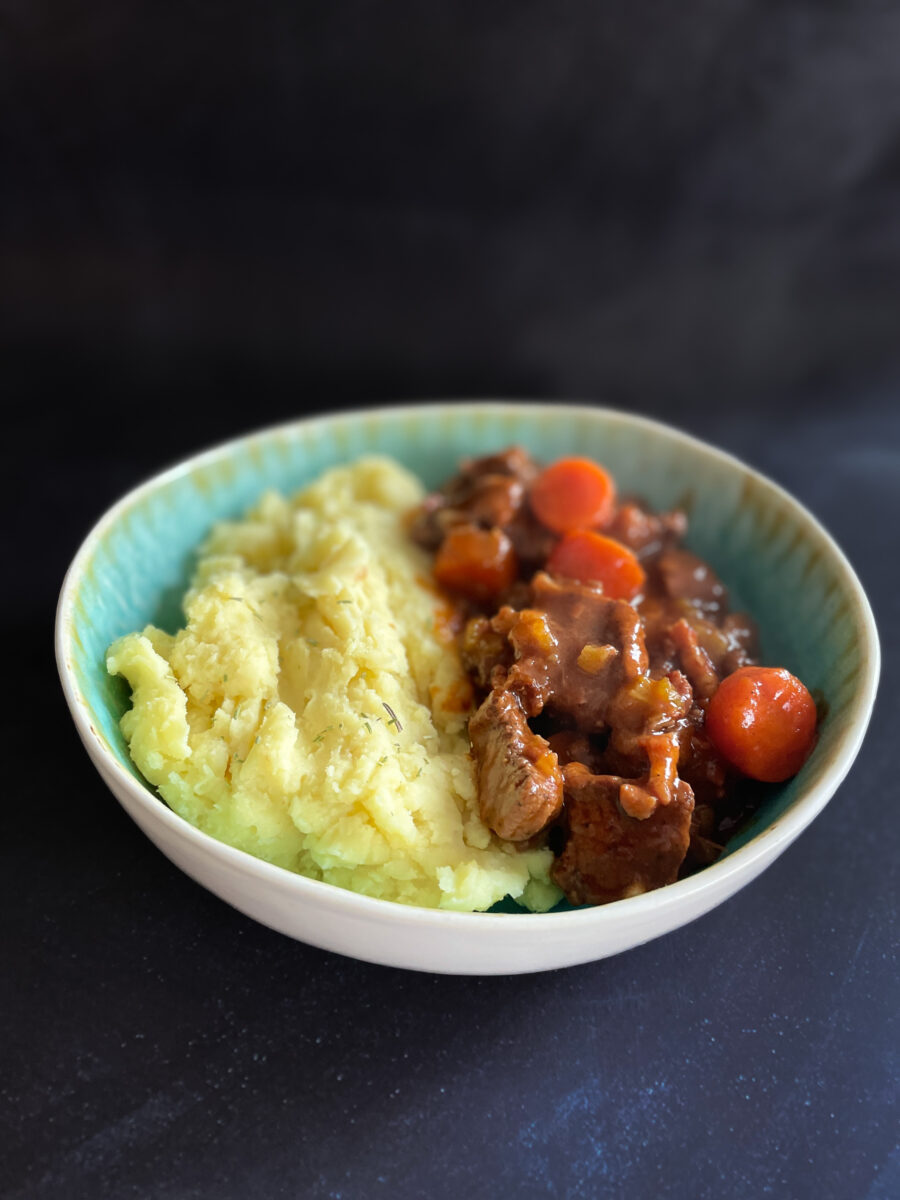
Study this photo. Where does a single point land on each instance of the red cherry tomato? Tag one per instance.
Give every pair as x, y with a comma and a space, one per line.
763, 720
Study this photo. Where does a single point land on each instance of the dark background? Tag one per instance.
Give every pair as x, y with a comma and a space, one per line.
229, 215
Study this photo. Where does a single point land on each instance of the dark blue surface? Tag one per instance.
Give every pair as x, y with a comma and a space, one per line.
213, 219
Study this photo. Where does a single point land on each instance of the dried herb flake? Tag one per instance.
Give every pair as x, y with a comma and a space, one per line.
394, 720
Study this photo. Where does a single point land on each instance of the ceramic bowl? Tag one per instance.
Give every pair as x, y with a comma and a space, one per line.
777, 561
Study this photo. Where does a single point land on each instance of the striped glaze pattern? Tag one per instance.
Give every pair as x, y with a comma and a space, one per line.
776, 560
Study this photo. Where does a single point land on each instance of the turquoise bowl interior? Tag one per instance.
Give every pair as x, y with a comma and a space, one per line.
776, 560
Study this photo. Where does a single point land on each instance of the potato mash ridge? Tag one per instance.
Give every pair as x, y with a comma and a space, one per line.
309, 712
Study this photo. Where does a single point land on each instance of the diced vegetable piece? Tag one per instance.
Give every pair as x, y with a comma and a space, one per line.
477, 564
592, 558
573, 493
763, 720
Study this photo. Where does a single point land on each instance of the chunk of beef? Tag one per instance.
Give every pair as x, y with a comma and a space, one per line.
579, 658
684, 576
658, 614
514, 461
532, 541
520, 787
648, 706
726, 642
485, 652
574, 649
570, 746
644, 532
609, 855
695, 662
699, 764
646, 709
487, 492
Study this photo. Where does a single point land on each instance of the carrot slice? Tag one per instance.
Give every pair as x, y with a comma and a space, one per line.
763, 720
477, 564
590, 557
573, 493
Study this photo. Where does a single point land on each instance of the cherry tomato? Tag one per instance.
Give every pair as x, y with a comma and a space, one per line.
763, 721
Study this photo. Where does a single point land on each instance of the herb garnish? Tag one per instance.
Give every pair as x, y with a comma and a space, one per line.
394, 720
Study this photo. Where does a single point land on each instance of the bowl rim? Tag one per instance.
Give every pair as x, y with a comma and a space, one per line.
765, 845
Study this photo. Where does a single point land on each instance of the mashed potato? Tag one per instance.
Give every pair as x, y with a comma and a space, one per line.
312, 713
